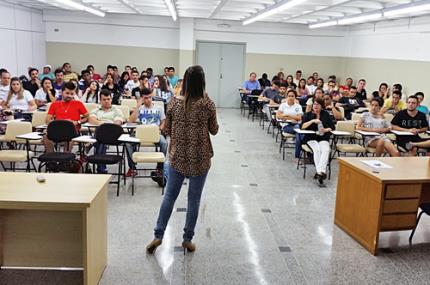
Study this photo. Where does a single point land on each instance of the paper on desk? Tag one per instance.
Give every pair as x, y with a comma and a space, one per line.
402, 133
376, 164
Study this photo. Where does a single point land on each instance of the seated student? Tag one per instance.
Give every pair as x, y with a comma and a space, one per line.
34, 83
125, 76
394, 104
113, 89
4, 86
318, 120
85, 81
147, 114
319, 94
68, 73
361, 91
292, 112
19, 99
347, 85
106, 113
350, 103
310, 85
93, 74
302, 90
132, 83
320, 83
271, 93
252, 84
410, 120
91, 94
46, 72
58, 83
178, 88
143, 84
331, 86
290, 82
66, 109
264, 82
171, 76
374, 121
329, 106
161, 89
421, 108
383, 91
46, 93
298, 77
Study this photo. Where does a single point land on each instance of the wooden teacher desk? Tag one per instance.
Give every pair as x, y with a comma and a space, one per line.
368, 203
58, 224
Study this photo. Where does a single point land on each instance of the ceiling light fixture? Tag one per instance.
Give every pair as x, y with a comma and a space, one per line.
323, 24
171, 6
272, 10
409, 8
79, 6
360, 18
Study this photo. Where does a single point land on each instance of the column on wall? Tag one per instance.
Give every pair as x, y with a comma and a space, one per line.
186, 44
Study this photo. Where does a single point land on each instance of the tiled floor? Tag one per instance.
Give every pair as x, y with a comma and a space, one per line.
260, 223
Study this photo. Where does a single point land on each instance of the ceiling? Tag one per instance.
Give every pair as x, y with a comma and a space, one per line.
309, 12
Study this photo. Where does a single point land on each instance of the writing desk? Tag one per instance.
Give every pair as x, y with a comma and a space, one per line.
368, 203
58, 224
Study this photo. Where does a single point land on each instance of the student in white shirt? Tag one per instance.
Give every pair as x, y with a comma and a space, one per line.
291, 112
18, 98
4, 86
132, 83
46, 93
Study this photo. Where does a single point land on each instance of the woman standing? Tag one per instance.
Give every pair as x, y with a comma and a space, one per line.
190, 118
318, 120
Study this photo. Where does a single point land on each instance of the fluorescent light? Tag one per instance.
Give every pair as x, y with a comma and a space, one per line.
171, 8
81, 7
323, 24
272, 10
410, 8
358, 19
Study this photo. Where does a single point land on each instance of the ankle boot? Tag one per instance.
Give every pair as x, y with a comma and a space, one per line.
150, 248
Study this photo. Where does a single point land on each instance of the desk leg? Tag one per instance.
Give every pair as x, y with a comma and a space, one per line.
95, 238
359, 207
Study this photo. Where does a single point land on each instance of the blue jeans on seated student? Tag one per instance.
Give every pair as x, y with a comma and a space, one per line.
133, 147
100, 149
298, 141
174, 185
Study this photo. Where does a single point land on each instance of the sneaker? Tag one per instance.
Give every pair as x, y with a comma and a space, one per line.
131, 172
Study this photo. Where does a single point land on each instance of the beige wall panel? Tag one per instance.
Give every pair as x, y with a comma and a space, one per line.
80, 55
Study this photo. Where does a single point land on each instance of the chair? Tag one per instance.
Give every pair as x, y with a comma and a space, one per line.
306, 158
425, 208
108, 134
355, 117
159, 104
125, 110
388, 117
91, 106
130, 103
39, 118
59, 131
15, 155
148, 135
287, 140
357, 149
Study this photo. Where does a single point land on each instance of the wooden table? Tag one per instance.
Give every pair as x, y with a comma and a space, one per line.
58, 224
370, 200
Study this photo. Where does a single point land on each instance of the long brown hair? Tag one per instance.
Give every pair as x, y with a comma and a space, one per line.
11, 92
193, 85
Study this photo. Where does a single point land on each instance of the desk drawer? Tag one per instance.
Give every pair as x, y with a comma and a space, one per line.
398, 222
403, 191
401, 206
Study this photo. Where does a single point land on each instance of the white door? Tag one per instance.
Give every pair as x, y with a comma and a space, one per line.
223, 64
208, 57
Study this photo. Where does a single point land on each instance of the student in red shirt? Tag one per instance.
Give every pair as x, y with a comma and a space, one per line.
66, 109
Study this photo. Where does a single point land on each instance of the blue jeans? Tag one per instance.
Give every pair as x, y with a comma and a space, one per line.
133, 147
298, 141
100, 149
174, 185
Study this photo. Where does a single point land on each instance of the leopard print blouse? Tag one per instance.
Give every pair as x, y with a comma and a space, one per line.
190, 149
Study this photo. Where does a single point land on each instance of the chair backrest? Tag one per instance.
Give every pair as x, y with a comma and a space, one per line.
39, 118
158, 104
61, 131
342, 111
131, 103
125, 110
148, 134
345, 126
355, 117
91, 106
388, 117
14, 129
109, 134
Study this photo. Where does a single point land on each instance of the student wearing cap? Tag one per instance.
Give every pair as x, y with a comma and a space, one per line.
47, 72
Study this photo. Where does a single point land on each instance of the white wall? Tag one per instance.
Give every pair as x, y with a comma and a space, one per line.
22, 34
